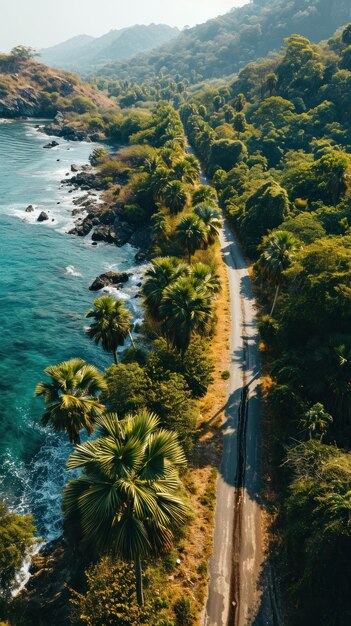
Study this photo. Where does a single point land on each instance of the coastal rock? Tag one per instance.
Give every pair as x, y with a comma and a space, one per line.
141, 257
66, 131
52, 144
142, 238
95, 137
104, 233
115, 279
82, 229
42, 217
53, 571
25, 104
87, 181
30, 208
108, 217
75, 168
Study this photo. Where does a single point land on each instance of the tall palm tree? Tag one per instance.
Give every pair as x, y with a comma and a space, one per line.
187, 170
186, 309
72, 397
158, 181
316, 421
191, 234
161, 228
112, 324
175, 196
125, 500
160, 275
212, 221
203, 276
278, 250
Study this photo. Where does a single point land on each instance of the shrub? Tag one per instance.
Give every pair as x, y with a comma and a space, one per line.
184, 611
110, 599
16, 539
268, 328
83, 105
127, 388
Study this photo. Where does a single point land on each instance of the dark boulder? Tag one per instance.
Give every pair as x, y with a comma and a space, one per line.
52, 144
42, 217
104, 233
75, 167
30, 208
109, 279
82, 229
142, 257
108, 217
142, 238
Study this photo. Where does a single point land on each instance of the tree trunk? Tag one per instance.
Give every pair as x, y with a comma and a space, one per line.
275, 299
115, 356
132, 340
139, 581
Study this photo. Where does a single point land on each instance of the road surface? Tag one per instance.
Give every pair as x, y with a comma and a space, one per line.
234, 596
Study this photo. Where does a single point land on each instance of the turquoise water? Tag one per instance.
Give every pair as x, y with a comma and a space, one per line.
44, 280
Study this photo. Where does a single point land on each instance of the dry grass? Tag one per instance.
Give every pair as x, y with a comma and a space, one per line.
200, 480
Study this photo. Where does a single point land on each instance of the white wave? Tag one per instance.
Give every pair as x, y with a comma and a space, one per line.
71, 271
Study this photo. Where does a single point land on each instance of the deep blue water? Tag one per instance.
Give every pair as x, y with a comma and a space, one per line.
44, 280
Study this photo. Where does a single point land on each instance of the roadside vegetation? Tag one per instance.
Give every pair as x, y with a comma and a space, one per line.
277, 145
142, 500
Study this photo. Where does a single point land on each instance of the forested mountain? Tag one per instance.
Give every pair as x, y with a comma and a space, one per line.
91, 53
224, 45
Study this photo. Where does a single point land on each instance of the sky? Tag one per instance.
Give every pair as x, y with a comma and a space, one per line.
43, 23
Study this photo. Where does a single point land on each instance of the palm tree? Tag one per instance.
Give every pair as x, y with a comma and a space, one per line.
316, 421
158, 181
125, 500
160, 275
186, 309
187, 170
212, 221
278, 250
205, 194
161, 228
203, 276
71, 397
191, 234
175, 196
112, 324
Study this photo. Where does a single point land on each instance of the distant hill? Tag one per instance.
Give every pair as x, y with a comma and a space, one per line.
92, 53
30, 89
223, 46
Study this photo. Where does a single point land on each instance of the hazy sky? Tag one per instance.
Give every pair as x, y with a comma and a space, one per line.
42, 23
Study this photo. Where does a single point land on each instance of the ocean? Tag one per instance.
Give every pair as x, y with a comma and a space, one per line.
44, 278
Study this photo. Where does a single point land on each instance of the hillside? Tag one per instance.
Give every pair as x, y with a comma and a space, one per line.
30, 89
224, 45
92, 53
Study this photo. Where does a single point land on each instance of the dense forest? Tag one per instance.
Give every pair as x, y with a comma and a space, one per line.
224, 45
284, 126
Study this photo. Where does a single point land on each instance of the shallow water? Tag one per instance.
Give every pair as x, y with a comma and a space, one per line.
44, 280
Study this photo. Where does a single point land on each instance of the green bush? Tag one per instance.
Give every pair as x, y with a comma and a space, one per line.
184, 611
16, 539
110, 599
82, 104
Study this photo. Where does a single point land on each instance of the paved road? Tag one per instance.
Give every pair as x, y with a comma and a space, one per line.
236, 563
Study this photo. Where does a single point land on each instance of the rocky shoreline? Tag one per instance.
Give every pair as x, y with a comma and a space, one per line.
103, 221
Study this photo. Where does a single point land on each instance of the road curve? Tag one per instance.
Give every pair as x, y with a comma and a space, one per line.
234, 596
